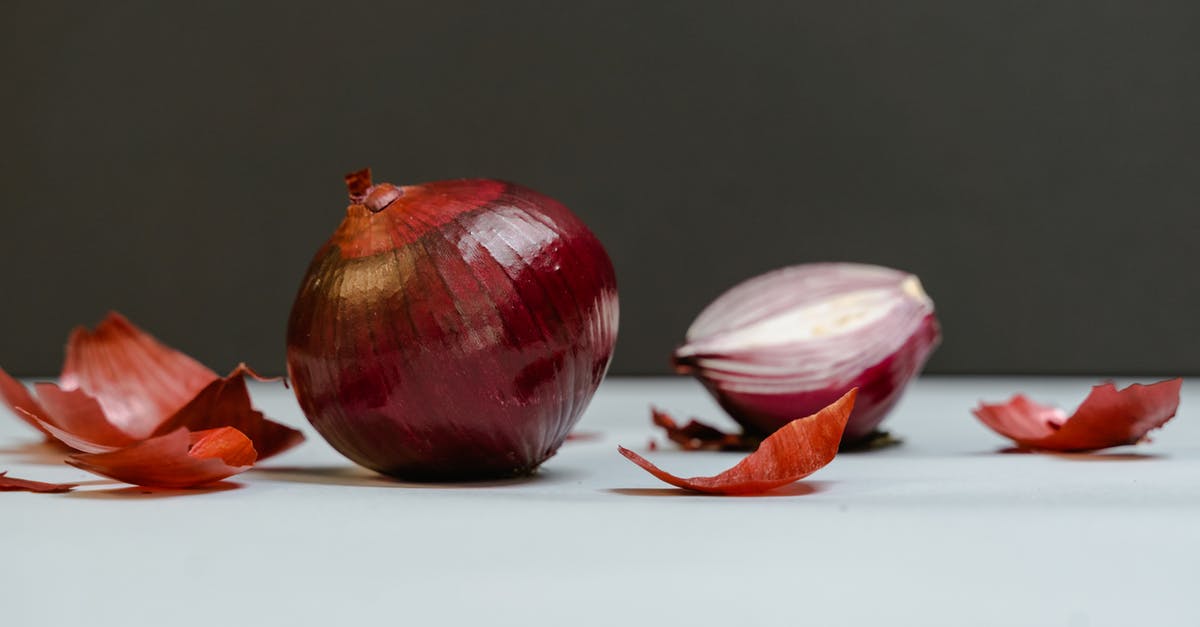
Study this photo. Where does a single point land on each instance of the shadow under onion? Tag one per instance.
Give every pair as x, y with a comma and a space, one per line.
354, 476
875, 441
584, 436
143, 493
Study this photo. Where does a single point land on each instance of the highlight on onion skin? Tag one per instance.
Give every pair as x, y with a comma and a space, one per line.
453, 330
789, 342
1107, 417
794, 451
17, 398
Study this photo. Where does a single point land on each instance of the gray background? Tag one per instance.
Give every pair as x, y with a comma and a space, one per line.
1034, 161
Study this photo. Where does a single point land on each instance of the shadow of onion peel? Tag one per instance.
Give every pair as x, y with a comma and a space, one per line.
1093, 456
800, 488
134, 492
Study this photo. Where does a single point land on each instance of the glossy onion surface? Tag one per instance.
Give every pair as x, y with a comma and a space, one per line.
452, 330
787, 343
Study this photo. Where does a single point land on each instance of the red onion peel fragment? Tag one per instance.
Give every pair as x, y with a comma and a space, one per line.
226, 403
13, 484
121, 388
77, 420
791, 341
179, 459
452, 330
137, 380
18, 399
793, 452
696, 435
1107, 417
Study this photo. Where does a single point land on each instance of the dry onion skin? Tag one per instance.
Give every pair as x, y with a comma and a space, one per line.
795, 451
122, 392
696, 435
789, 342
1107, 417
179, 459
226, 402
453, 330
13, 484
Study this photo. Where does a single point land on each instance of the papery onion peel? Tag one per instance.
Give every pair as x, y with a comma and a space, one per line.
179, 459
13, 484
1107, 417
121, 389
793, 452
696, 435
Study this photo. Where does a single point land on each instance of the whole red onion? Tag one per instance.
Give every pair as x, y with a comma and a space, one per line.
452, 330
787, 343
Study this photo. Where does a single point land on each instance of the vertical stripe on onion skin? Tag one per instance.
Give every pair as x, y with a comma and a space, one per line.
457, 332
789, 342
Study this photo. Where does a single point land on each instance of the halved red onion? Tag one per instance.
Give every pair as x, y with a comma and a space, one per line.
789, 342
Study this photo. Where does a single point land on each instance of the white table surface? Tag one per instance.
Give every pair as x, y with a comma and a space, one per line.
942, 530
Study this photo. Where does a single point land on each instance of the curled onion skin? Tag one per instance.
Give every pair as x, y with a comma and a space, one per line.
1107, 417
179, 459
789, 342
453, 330
793, 452
121, 386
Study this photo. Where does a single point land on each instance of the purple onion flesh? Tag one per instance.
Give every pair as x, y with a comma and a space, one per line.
785, 344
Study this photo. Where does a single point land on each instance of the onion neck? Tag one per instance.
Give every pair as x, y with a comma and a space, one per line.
373, 197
